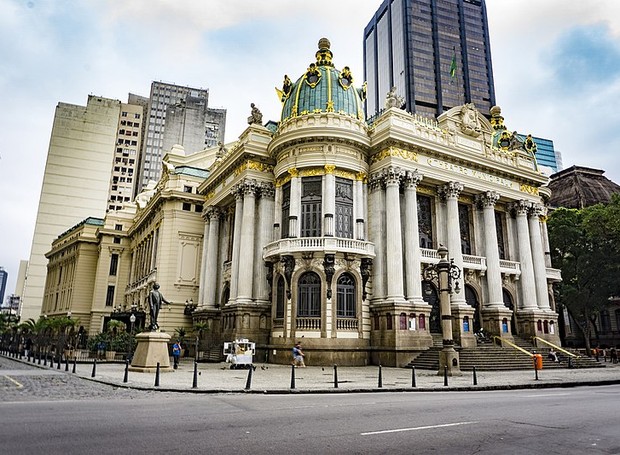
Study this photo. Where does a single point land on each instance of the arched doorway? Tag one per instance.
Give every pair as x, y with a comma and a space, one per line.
431, 297
508, 303
471, 297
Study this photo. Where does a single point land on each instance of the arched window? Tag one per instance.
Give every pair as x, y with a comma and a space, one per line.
465, 323
309, 296
546, 326
377, 322
403, 321
605, 321
280, 298
422, 322
551, 327
346, 297
539, 325
388, 318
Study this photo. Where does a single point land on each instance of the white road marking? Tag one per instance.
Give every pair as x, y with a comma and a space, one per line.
429, 427
19, 385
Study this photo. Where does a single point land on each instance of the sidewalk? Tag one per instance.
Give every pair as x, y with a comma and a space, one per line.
269, 378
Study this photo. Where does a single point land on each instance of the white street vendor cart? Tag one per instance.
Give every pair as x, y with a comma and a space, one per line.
239, 353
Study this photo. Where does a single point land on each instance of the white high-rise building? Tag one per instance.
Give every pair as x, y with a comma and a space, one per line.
75, 185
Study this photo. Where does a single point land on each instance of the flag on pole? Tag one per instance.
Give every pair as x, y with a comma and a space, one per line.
453, 65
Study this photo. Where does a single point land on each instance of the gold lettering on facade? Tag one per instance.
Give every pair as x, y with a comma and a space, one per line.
528, 189
457, 168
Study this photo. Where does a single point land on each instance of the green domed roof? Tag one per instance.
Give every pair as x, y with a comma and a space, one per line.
322, 88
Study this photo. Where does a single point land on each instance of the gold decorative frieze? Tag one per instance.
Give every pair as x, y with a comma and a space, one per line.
396, 152
293, 172
529, 189
311, 172
253, 165
210, 195
426, 190
329, 168
344, 174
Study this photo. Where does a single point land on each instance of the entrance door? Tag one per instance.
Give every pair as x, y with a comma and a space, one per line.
508, 303
472, 300
431, 297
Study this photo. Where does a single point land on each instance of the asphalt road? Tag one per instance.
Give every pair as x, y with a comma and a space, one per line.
76, 416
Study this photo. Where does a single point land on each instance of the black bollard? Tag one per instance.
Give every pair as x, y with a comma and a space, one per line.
445, 375
39, 358
292, 376
66, 363
535, 370
74, 364
126, 376
335, 376
570, 362
59, 362
475, 378
413, 377
92, 375
157, 376
380, 384
248, 383
51, 361
195, 381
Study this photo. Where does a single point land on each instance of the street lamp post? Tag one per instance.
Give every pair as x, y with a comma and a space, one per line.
447, 275
132, 320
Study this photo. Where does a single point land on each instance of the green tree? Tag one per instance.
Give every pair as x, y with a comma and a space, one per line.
585, 245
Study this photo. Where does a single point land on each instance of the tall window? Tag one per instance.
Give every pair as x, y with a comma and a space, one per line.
280, 298
499, 227
425, 222
344, 208
311, 196
346, 296
109, 297
464, 225
309, 301
605, 321
286, 208
113, 264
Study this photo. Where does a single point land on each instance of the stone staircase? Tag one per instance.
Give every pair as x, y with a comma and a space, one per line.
491, 357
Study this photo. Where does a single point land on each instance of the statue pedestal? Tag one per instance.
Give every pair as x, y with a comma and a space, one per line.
152, 349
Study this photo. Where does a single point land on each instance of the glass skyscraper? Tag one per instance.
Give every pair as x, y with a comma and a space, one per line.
435, 52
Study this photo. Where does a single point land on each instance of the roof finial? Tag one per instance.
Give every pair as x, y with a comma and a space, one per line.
324, 55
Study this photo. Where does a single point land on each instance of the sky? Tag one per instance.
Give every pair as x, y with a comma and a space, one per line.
556, 65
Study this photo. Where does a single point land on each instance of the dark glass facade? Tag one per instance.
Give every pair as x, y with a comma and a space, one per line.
435, 52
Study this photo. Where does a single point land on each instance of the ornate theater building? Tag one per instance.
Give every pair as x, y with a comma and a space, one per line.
318, 228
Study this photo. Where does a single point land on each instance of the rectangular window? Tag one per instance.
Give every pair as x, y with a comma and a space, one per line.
425, 222
113, 264
109, 297
187, 206
198, 208
311, 209
187, 189
286, 205
117, 240
499, 227
118, 227
464, 227
344, 208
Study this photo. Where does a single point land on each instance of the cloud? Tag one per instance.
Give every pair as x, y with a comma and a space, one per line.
585, 58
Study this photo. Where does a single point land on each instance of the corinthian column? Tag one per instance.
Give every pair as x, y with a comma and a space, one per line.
493, 275
203, 260
234, 266
450, 194
393, 236
413, 256
376, 233
329, 201
212, 257
246, 266
528, 284
265, 215
538, 257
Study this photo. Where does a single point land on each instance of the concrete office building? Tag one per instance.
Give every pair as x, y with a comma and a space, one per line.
76, 182
435, 52
177, 115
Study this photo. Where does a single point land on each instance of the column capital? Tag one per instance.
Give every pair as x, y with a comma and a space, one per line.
293, 172
213, 213
450, 190
248, 187
537, 210
521, 207
411, 179
267, 190
375, 181
486, 199
391, 176
329, 168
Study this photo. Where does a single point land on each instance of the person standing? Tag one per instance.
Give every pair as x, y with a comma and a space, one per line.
298, 356
176, 353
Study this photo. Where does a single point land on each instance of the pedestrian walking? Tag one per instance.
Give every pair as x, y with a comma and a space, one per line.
298, 356
176, 353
